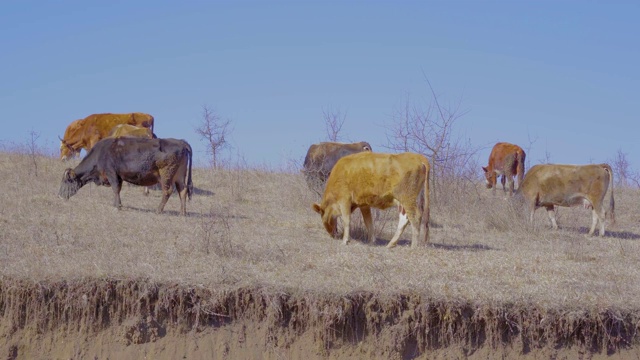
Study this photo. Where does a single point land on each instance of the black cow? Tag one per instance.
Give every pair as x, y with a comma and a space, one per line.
138, 161
322, 157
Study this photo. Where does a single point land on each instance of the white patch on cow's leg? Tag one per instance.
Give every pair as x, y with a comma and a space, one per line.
551, 212
603, 216
594, 221
346, 219
403, 221
368, 223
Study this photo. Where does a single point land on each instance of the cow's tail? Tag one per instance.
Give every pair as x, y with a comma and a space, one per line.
425, 204
612, 202
189, 182
521, 157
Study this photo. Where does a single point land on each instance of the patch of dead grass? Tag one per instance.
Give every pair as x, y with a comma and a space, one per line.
249, 227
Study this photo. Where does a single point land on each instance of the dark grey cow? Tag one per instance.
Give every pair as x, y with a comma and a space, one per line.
322, 157
138, 161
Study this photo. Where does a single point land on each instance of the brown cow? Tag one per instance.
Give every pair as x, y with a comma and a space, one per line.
85, 133
377, 180
322, 157
506, 160
552, 185
131, 130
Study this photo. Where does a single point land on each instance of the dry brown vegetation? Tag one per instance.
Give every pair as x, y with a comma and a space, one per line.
252, 273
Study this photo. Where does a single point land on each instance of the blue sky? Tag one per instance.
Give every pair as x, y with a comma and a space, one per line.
564, 73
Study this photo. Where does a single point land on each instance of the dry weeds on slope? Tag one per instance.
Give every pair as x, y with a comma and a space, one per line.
254, 229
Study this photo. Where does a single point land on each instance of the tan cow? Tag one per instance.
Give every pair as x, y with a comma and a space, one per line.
85, 133
506, 160
552, 185
322, 157
374, 180
131, 130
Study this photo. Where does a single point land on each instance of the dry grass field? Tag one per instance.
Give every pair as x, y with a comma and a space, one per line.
252, 257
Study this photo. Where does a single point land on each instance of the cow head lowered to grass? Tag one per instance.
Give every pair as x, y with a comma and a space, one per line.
139, 161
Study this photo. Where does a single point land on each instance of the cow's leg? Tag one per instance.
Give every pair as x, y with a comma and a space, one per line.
116, 185
510, 183
182, 192
551, 212
595, 217
603, 216
167, 189
502, 181
345, 210
146, 191
368, 223
403, 221
494, 183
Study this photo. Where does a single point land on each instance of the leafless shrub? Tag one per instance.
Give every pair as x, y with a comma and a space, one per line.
214, 130
333, 120
623, 174
216, 233
547, 157
431, 131
528, 148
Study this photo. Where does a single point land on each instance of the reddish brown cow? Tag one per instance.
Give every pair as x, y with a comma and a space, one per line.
374, 180
552, 185
506, 160
85, 133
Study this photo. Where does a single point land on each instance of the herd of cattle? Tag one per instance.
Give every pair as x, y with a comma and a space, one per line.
123, 147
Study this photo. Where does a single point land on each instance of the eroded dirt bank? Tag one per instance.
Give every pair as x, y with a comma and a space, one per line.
119, 319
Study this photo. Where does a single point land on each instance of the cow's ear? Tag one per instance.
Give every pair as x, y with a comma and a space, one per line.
317, 208
69, 174
485, 169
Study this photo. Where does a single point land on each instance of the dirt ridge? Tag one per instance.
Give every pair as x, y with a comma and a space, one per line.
402, 325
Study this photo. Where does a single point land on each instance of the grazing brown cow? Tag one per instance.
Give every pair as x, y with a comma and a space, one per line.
322, 157
506, 160
131, 130
553, 185
85, 133
377, 180
138, 161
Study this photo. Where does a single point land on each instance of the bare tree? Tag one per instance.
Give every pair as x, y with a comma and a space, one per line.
623, 174
547, 156
214, 130
33, 149
430, 132
529, 146
333, 121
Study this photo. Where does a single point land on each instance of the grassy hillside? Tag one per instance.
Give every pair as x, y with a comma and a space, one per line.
255, 227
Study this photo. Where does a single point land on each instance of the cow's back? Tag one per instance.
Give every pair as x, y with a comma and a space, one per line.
130, 130
559, 183
366, 175
505, 156
322, 157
